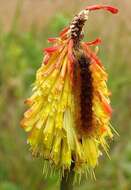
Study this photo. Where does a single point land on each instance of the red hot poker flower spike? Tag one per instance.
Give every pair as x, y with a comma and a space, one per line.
68, 120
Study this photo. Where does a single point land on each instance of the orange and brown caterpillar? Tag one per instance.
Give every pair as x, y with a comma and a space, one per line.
86, 92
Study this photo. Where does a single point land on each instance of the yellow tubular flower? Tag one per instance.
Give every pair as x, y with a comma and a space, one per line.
68, 119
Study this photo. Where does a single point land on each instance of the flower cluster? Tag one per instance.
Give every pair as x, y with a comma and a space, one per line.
69, 112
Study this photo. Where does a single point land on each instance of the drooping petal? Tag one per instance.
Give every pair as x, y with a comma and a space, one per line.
99, 7
95, 42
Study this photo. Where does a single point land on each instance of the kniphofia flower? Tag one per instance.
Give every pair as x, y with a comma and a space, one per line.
68, 120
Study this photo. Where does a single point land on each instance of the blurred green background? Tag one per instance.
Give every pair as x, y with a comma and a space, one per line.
24, 29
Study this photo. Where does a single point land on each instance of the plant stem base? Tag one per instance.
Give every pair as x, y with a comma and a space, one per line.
67, 180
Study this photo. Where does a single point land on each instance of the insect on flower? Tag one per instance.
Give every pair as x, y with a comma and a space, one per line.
68, 121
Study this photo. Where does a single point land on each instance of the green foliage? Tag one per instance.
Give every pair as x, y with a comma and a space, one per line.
20, 57
8, 186
59, 22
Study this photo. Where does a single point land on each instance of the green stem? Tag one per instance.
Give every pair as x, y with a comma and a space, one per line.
67, 180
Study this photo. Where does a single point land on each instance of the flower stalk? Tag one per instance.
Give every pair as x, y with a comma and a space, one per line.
67, 180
